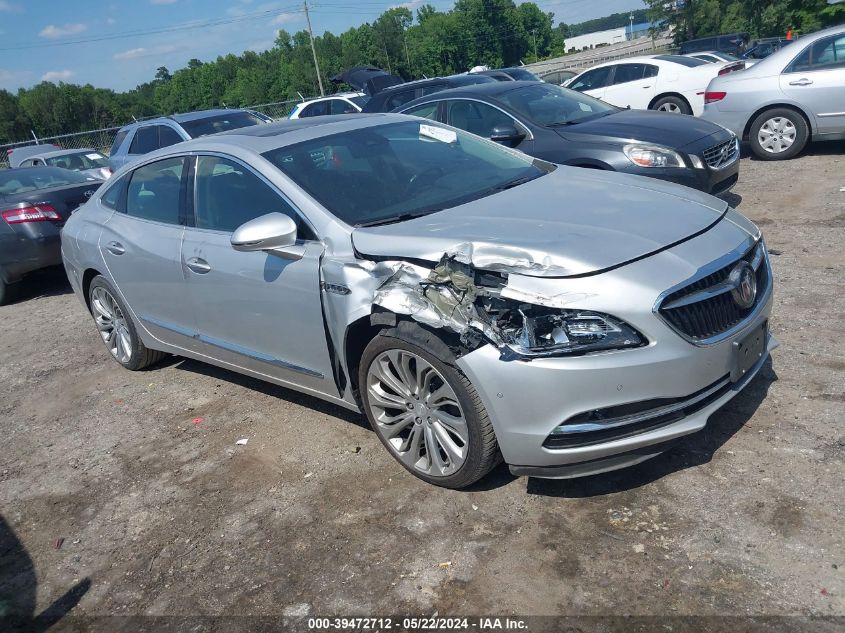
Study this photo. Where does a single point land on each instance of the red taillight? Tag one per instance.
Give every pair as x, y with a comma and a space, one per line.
710, 97
732, 68
35, 213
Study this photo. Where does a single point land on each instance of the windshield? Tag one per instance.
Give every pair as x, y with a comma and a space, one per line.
219, 123
79, 161
396, 171
520, 74
727, 57
359, 100
547, 104
15, 181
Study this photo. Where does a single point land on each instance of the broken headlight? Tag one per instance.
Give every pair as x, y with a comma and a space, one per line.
531, 330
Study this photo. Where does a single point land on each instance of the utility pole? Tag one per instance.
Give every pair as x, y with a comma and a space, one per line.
631, 36
313, 49
534, 32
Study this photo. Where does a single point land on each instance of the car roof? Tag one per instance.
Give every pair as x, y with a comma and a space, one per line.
263, 138
182, 117
457, 80
491, 90
332, 96
65, 152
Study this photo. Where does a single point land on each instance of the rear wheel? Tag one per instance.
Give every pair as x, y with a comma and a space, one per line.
673, 105
778, 134
117, 329
424, 410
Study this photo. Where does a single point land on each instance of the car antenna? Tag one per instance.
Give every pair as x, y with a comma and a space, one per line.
134, 119
301, 98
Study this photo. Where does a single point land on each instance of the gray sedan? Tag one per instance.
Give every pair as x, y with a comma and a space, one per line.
787, 99
476, 304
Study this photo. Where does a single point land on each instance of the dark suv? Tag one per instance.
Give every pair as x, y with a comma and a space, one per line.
397, 96
143, 137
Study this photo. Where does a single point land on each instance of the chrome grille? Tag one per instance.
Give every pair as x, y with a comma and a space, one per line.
705, 308
723, 154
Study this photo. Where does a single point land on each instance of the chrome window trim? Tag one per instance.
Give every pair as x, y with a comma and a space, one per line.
529, 136
260, 176
709, 269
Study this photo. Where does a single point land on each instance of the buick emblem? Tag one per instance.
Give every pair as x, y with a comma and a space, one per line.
744, 284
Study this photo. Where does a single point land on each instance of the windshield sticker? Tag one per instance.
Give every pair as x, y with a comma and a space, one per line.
92, 156
438, 134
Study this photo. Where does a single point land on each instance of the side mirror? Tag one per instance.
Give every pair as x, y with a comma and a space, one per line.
264, 233
506, 134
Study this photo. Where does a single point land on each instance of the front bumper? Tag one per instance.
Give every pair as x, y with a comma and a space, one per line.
526, 401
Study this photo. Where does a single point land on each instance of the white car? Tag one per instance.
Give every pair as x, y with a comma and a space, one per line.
340, 103
670, 83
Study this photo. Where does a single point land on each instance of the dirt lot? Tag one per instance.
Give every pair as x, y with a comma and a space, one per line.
160, 515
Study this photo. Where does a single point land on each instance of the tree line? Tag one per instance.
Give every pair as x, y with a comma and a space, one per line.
612, 21
759, 18
473, 32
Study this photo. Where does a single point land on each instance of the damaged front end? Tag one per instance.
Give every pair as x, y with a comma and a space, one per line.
493, 306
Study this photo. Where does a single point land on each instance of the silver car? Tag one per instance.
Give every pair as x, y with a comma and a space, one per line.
474, 303
787, 99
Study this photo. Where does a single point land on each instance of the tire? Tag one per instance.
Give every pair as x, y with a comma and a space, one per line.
673, 105
412, 424
116, 327
788, 129
8, 291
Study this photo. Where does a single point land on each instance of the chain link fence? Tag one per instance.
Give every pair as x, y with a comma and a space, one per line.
101, 140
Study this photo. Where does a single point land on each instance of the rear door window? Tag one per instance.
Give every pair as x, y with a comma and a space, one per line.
167, 136
341, 106
478, 118
628, 72
145, 141
320, 108
592, 79
426, 111
155, 191
823, 54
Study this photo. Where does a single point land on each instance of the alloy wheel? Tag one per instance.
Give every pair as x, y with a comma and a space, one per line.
777, 135
674, 108
417, 413
112, 324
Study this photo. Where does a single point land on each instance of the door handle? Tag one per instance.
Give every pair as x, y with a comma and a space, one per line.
646, 87
198, 265
801, 82
115, 248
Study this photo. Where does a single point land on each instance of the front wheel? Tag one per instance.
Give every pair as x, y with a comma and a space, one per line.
117, 328
778, 134
673, 105
424, 410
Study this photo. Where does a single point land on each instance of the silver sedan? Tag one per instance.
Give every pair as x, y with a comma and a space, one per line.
474, 303
787, 99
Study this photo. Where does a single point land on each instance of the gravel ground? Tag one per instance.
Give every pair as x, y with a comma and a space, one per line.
160, 515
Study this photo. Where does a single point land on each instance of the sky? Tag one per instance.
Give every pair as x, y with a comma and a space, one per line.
119, 45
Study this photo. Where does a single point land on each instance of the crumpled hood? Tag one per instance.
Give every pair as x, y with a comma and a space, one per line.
572, 221
640, 125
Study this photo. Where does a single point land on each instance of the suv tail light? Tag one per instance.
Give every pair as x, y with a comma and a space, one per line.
710, 97
35, 213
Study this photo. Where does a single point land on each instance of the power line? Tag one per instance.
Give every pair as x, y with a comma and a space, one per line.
188, 26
